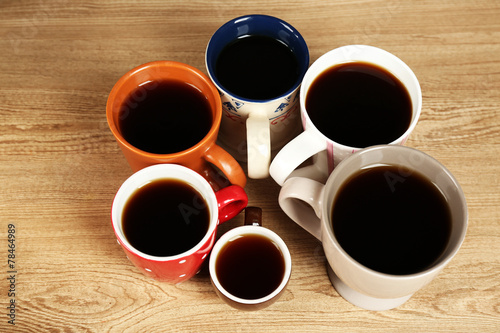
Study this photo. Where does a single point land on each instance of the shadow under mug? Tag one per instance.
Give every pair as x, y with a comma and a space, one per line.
199, 157
253, 226
251, 129
309, 203
223, 205
312, 142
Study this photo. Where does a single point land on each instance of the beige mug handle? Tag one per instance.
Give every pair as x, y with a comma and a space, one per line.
301, 199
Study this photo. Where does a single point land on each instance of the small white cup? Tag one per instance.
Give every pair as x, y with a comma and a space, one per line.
312, 141
252, 227
309, 203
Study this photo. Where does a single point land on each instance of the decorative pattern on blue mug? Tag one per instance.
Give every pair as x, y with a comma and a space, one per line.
283, 117
238, 104
281, 107
230, 112
229, 107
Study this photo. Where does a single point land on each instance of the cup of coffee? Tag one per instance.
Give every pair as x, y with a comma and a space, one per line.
257, 63
351, 98
250, 266
170, 112
165, 217
390, 218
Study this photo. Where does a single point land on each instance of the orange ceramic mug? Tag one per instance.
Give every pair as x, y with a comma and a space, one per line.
136, 86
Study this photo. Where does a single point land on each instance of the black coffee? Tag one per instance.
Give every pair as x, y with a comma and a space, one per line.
165, 117
250, 267
359, 105
391, 222
165, 217
257, 67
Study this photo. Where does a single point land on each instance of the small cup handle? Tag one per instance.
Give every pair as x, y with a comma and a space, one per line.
231, 201
258, 145
299, 190
253, 216
294, 153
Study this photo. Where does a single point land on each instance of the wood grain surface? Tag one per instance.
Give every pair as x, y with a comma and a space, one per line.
60, 165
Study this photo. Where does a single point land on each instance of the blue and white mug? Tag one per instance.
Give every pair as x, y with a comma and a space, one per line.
253, 130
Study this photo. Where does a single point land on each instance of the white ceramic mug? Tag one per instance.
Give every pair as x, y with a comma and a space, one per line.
312, 141
309, 204
253, 226
251, 130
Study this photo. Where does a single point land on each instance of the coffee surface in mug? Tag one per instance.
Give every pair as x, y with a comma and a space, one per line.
257, 67
165, 117
250, 266
390, 221
165, 217
359, 104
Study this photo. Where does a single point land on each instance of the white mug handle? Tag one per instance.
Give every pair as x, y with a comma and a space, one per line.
258, 145
300, 199
294, 154
315, 171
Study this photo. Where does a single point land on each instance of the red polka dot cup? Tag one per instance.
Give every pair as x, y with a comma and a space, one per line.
222, 206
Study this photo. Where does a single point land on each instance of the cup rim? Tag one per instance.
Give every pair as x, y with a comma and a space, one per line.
303, 93
111, 108
247, 230
146, 176
440, 263
304, 66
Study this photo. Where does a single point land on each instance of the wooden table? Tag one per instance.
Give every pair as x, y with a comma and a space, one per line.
60, 166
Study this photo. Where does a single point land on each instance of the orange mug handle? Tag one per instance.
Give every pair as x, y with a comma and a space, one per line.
226, 164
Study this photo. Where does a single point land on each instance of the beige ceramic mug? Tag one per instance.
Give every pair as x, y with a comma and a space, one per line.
310, 204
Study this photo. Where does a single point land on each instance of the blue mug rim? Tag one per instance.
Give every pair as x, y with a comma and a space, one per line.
262, 23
